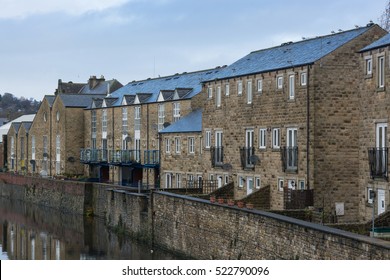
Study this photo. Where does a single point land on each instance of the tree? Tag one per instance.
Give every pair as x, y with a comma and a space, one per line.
384, 20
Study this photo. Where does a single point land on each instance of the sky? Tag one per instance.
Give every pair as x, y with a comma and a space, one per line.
42, 41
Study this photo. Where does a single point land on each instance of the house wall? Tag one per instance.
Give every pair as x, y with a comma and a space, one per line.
12, 154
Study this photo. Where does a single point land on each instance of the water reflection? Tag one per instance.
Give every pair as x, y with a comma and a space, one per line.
29, 232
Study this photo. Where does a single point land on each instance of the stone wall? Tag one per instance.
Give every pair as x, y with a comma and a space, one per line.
210, 231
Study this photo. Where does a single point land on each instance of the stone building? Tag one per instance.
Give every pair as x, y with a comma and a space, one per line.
122, 145
374, 141
284, 117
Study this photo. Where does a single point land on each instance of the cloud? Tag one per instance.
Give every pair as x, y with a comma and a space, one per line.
19, 9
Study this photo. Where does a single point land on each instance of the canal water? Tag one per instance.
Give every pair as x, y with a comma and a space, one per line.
31, 232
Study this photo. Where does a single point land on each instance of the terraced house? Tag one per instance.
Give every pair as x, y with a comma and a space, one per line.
287, 118
374, 188
123, 144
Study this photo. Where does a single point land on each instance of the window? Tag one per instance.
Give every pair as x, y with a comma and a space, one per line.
227, 90
275, 138
370, 195
239, 87
257, 182
168, 180
218, 97
137, 148
191, 145
260, 86
240, 181
93, 124
22, 153
207, 139
291, 86
303, 79
176, 112
33, 147
262, 138
104, 123
137, 118
280, 184
210, 92
58, 116
249, 92
167, 145
124, 120
44, 116
368, 66
58, 154
381, 72
177, 145
161, 116
178, 180
279, 82
301, 184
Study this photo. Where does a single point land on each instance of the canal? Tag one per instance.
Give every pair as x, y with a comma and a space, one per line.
31, 232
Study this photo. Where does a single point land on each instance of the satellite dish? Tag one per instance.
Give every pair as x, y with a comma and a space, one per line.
255, 159
45, 155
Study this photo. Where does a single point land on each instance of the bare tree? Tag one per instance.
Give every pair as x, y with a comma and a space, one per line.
384, 20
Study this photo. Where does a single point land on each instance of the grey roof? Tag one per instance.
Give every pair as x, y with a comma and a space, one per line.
129, 99
16, 126
50, 99
154, 86
143, 97
77, 100
290, 54
69, 87
101, 87
110, 100
27, 126
167, 94
182, 92
382, 42
189, 123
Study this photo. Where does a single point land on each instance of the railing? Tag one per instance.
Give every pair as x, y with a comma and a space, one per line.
203, 186
93, 155
216, 156
289, 159
246, 155
378, 161
124, 156
151, 157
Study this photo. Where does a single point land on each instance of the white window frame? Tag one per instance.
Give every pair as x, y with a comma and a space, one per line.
104, 123
276, 138
191, 145
137, 118
303, 77
177, 145
33, 147
381, 71
279, 82
368, 65
167, 145
239, 88
178, 180
227, 89
58, 154
161, 116
249, 92
369, 200
218, 97
280, 184
168, 180
207, 139
260, 85
262, 138
291, 86
124, 120
240, 181
257, 182
210, 92
176, 111
93, 123
301, 184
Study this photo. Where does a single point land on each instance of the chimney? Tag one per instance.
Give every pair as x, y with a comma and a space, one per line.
93, 81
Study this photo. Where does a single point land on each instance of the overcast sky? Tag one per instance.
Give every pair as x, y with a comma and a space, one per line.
46, 40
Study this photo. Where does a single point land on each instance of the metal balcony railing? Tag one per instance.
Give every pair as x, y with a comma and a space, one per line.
151, 157
123, 156
378, 161
289, 157
216, 156
246, 155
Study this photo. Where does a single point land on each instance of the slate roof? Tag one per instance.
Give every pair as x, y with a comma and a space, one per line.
5, 128
101, 87
170, 83
382, 42
189, 123
290, 54
78, 100
129, 99
16, 126
50, 99
69, 87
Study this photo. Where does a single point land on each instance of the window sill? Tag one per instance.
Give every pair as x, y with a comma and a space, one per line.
380, 89
368, 76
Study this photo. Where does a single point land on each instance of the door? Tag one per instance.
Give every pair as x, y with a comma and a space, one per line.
220, 181
381, 202
249, 185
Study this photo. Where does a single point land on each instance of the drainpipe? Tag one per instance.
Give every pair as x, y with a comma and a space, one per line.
308, 128
27, 153
147, 141
50, 141
16, 151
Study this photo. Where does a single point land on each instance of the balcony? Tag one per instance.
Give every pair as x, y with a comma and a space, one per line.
151, 157
378, 161
93, 155
247, 157
120, 157
289, 157
216, 156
